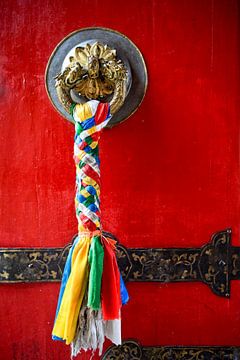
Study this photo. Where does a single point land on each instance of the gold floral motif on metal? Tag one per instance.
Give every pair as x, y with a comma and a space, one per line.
94, 72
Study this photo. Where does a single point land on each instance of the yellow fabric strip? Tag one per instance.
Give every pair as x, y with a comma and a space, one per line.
83, 111
81, 227
66, 321
90, 181
85, 193
92, 130
93, 144
80, 155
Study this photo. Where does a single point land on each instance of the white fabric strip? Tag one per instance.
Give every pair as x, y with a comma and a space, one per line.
113, 331
89, 159
82, 174
91, 215
93, 105
98, 127
90, 332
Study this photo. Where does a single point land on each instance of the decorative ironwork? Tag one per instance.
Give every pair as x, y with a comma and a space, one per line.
132, 350
209, 264
30, 265
215, 264
93, 72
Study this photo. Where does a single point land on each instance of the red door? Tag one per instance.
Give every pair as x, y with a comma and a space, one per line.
170, 173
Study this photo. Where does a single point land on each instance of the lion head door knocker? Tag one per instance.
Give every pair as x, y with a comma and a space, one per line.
95, 78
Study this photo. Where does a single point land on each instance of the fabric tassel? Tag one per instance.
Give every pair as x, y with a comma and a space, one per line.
111, 296
92, 289
95, 259
66, 320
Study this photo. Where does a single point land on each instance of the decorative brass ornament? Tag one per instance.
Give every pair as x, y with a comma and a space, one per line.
97, 63
95, 73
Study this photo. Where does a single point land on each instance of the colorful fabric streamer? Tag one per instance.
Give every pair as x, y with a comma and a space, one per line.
92, 290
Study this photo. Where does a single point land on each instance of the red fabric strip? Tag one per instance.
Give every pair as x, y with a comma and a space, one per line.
88, 170
101, 113
83, 145
87, 222
111, 297
95, 136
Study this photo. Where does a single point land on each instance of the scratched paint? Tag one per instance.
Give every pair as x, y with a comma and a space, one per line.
170, 174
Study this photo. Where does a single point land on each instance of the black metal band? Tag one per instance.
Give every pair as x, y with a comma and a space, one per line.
215, 264
209, 264
132, 350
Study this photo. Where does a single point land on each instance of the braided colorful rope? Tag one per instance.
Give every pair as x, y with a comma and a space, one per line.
92, 290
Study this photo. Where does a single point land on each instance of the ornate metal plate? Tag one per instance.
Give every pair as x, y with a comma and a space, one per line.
210, 264
127, 52
215, 264
132, 350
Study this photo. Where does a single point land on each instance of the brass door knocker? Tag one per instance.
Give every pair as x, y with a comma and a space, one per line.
100, 64
93, 72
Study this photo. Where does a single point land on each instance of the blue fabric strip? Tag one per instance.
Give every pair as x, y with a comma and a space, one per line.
91, 190
88, 123
93, 208
123, 291
77, 139
88, 149
80, 198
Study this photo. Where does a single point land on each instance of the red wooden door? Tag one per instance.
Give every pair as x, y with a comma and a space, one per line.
170, 173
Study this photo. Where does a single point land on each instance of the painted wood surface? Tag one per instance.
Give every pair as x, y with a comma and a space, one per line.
170, 173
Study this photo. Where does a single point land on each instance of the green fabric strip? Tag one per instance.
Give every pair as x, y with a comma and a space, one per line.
94, 151
88, 140
90, 200
72, 108
95, 258
78, 128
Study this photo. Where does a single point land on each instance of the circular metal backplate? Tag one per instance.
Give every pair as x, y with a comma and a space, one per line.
126, 51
